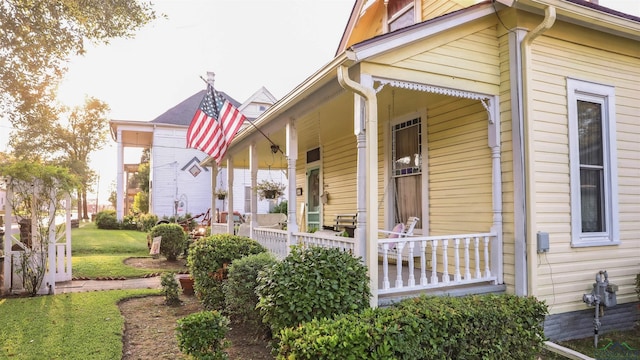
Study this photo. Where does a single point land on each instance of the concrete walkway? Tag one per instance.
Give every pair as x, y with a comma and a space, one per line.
97, 285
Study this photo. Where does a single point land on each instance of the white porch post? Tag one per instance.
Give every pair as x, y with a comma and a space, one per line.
230, 195
371, 188
253, 169
496, 181
214, 181
365, 90
67, 234
361, 175
8, 235
49, 282
292, 157
120, 179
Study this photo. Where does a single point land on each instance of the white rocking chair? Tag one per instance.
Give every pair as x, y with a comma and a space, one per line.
399, 231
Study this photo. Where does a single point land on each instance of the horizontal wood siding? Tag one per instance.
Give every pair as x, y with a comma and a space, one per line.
170, 182
339, 168
459, 168
565, 273
473, 57
432, 9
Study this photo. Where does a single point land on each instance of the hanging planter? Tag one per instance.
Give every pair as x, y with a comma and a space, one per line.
270, 194
269, 189
221, 194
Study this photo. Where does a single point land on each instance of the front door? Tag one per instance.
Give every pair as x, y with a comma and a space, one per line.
313, 199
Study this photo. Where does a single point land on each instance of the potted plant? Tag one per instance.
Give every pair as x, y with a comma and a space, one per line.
221, 194
269, 189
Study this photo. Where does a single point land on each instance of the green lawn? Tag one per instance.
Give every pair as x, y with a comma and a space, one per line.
101, 253
68, 326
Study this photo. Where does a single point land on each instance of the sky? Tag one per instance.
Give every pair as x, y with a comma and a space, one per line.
248, 44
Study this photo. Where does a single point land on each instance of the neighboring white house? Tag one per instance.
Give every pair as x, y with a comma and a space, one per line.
178, 183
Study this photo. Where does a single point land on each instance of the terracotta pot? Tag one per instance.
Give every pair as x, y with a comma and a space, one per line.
186, 283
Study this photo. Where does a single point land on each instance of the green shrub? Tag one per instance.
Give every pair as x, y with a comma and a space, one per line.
474, 327
170, 288
240, 290
312, 283
107, 220
202, 334
146, 222
281, 208
207, 261
173, 239
129, 222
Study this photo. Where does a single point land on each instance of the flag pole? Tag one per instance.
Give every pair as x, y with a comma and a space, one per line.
274, 147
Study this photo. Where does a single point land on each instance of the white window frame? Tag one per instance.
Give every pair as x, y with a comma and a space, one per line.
579, 90
389, 216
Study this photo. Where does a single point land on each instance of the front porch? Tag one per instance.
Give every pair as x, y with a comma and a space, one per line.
437, 265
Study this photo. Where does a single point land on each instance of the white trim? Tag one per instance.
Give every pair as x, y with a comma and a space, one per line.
605, 95
433, 89
405, 36
424, 170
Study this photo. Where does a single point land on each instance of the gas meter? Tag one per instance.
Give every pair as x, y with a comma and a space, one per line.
603, 292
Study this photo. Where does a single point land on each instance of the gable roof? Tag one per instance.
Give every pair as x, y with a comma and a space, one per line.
362, 8
182, 114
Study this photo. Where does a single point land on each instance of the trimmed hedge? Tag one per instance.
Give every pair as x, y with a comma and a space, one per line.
173, 239
107, 220
312, 283
240, 290
207, 259
202, 335
473, 327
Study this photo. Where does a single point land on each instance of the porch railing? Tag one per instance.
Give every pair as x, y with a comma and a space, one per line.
276, 240
425, 262
330, 240
406, 264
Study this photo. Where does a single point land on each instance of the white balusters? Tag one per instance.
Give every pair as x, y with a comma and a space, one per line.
467, 271
487, 272
456, 244
434, 262
477, 257
445, 261
412, 279
423, 263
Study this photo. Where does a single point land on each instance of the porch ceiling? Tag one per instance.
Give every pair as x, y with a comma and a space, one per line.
135, 138
329, 119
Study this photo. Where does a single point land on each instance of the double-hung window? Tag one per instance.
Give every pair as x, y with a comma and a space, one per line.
407, 169
592, 149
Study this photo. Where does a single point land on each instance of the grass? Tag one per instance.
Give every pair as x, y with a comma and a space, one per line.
101, 253
68, 326
586, 346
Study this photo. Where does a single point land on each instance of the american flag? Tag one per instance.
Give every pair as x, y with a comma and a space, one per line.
214, 125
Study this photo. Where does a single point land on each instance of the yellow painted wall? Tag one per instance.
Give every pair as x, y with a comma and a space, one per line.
453, 60
459, 168
434, 8
338, 176
565, 273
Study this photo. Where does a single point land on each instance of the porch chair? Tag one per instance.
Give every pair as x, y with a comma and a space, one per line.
399, 231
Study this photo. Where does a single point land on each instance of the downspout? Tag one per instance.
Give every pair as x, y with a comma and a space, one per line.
370, 220
529, 145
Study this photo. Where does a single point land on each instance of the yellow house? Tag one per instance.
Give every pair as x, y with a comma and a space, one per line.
508, 128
